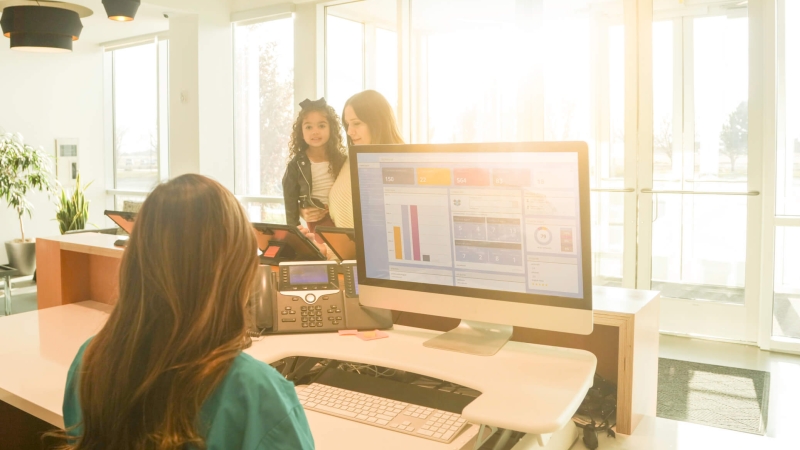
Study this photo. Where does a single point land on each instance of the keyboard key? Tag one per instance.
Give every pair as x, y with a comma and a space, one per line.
401, 427
372, 419
425, 432
415, 415
447, 435
410, 429
382, 422
437, 435
393, 425
385, 417
454, 428
362, 417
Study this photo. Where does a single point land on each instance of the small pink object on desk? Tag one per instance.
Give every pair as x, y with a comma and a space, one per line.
370, 335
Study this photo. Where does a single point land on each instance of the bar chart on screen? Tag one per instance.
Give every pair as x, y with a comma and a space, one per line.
418, 226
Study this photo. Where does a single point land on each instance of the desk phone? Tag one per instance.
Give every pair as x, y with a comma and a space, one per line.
306, 296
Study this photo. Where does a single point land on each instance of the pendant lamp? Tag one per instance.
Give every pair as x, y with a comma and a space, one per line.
40, 28
121, 10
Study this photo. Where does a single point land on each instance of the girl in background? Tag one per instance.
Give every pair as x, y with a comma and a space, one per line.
316, 156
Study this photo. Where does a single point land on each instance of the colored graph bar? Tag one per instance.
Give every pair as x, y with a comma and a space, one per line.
427, 176
415, 231
471, 177
406, 232
398, 246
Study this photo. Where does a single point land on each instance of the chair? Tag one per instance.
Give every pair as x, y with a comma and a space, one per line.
6, 272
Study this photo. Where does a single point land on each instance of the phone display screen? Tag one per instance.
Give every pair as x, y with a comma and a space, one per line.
317, 274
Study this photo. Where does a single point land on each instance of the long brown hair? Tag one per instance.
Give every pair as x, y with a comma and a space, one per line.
373, 109
179, 323
334, 148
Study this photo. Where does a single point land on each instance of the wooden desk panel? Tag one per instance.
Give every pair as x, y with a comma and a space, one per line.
71, 270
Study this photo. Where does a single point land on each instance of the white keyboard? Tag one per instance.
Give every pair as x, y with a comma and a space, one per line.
429, 423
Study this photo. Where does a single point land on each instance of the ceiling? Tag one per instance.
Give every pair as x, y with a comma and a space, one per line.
97, 28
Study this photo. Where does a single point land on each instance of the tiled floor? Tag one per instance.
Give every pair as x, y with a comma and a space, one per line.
783, 423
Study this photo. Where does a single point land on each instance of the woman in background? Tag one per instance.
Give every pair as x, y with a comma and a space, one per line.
167, 370
368, 119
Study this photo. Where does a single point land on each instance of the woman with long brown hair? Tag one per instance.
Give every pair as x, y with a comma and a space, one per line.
368, 119
167, 371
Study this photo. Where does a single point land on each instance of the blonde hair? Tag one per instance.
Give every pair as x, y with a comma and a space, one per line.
179, 323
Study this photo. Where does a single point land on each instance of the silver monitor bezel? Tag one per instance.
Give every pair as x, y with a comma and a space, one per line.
522, 309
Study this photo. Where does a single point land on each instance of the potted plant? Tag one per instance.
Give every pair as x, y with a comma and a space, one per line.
23, 169
73, 211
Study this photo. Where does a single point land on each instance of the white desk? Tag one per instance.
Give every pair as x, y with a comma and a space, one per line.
525, 387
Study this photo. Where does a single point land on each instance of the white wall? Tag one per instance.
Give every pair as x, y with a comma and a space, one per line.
46, 96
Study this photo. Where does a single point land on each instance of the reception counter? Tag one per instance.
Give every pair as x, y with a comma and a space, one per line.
75, 268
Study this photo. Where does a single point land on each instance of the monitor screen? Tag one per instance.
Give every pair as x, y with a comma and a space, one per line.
488, 224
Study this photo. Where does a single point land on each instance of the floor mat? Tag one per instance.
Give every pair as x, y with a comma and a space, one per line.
718, 396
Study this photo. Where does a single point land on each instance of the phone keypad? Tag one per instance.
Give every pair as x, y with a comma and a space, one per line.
295, 315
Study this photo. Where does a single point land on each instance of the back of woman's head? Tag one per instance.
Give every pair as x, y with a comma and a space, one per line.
373, 109
179, 322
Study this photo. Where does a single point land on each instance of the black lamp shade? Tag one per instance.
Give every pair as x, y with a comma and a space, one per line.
121, 10
41, 28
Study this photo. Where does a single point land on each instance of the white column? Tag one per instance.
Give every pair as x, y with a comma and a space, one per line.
201, 95
184, 90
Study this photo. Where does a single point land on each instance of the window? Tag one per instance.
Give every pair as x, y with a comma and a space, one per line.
788, 175
361, 51
263, 113
344, 62
529, 71
140, 118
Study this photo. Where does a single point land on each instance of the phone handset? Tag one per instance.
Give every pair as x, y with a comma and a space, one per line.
262, 300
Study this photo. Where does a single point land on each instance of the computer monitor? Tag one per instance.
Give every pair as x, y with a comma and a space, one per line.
496, 235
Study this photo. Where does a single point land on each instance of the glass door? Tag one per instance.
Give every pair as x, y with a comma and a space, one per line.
781, 312
705, 202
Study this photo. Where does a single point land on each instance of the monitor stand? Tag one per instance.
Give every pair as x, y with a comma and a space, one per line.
475, 338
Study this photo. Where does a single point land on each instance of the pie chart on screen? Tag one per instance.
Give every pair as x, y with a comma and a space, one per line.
543, 236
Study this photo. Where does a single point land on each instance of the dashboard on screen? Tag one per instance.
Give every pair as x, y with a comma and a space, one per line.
495, 221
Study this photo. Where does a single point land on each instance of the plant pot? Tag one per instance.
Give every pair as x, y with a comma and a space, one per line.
22, 256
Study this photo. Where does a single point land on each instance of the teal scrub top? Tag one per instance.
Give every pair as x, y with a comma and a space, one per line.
253, 408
